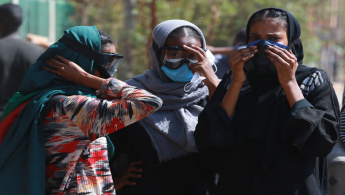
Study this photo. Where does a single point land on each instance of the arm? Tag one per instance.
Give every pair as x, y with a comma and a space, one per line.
124, 105
213, 131
314, 129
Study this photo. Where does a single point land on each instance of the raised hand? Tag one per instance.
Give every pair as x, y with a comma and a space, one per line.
285, 62
73, 72
237, 62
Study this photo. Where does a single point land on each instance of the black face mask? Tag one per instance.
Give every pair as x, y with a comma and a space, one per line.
260, 62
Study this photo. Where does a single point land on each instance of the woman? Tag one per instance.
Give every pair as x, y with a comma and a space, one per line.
272, 121
163, 142
56, 125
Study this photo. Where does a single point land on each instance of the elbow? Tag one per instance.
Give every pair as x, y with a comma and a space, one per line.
158, 103
321, 149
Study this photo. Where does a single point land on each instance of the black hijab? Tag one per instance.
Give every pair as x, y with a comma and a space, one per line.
262, 113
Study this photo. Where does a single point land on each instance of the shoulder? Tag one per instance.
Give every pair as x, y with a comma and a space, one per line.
21, 45
313, 81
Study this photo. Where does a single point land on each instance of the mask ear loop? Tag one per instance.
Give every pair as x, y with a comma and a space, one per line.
190, 84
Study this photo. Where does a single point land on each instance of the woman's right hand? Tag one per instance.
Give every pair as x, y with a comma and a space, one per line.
237, 62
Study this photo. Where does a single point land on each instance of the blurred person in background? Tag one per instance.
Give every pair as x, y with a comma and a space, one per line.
223, 54
54, 137
16, 55
160, 150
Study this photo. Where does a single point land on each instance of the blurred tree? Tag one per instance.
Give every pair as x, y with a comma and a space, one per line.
130, 23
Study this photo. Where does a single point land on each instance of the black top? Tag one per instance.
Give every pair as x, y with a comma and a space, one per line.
16, 56
176, 176
299, 165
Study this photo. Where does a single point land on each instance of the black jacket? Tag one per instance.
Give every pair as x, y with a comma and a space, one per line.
299, 166
174, 177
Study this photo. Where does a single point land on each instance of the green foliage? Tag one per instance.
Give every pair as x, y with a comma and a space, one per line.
108, 15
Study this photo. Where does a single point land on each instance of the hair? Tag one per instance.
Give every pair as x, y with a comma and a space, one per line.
279, 16
105, 39
11, 16
241, 36
186, 31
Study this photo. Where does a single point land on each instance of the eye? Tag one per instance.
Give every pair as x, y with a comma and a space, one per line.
254, 38
275, 39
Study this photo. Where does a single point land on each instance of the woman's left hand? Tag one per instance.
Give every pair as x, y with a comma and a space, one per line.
285, 62
66, 69
73, 72
286, 65
203, 66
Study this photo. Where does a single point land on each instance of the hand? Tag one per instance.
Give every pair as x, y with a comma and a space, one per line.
286, 65
285, 62
66, 69
203, 66
73, 73
121, 181
237, 62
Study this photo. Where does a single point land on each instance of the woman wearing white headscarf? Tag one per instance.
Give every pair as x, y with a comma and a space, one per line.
164, 142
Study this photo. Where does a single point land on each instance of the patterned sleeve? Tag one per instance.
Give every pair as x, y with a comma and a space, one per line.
120, 105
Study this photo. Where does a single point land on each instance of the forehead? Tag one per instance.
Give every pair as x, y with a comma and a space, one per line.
180, 41
267, 26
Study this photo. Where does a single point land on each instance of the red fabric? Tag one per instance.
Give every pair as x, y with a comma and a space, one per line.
7, 123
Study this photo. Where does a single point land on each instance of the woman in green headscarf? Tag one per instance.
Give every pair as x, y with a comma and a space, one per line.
52, 135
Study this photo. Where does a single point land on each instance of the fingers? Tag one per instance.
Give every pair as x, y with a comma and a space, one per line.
134, 169
276, 57
131, 175
200, 50
197, 53
275, 62
130, 183
54, 64
50, 70
62, 59
245, 52
283, 56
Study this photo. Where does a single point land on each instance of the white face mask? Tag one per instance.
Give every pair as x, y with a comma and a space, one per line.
196, 77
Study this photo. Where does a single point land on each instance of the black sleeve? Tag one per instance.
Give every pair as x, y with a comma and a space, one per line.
314, 130
212, 134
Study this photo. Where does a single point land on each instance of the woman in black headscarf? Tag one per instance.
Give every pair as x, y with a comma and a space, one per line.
272, 121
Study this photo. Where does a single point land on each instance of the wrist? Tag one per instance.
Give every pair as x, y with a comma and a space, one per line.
290, 84
211, 81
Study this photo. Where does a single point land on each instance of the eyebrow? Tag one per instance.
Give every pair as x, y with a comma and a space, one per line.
269, 34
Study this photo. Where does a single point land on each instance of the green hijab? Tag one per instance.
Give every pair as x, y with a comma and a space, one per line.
22, 162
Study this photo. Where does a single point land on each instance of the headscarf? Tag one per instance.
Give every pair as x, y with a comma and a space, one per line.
262, 113
22, 162
171, 128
